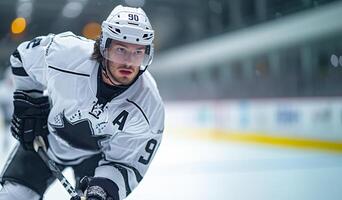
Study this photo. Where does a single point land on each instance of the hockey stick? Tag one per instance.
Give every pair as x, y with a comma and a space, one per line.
40, 148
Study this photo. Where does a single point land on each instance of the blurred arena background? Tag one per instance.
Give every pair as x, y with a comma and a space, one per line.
252, 90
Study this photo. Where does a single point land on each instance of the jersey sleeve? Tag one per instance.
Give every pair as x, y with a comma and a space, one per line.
129, 154
28, 63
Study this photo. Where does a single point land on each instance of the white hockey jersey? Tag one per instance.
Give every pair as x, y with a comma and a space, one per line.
127, 130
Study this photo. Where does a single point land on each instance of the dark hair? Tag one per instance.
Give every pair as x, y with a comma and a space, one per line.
96, 55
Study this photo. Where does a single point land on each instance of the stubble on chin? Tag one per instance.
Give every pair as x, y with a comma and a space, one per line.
125, 80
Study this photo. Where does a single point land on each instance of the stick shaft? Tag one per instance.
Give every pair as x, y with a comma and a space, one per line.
39, 147
56, 172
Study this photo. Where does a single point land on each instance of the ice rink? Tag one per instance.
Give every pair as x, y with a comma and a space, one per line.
194, 169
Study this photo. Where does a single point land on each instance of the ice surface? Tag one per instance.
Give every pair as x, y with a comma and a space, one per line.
189, 169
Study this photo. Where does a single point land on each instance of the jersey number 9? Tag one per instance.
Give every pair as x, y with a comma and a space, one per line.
150, 147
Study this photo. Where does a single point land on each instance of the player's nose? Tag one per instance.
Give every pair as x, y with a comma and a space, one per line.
129, 60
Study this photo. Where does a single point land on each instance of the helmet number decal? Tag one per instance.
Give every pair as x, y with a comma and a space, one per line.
133, 17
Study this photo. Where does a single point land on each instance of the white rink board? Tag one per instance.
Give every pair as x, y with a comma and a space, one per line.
316, 118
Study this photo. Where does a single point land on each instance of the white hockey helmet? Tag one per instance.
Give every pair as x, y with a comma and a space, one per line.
131, 25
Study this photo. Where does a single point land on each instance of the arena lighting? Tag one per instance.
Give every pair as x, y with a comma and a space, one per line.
73, 8
91, 30
18, 25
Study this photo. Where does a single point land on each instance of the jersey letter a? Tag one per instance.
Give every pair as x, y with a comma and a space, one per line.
121, 119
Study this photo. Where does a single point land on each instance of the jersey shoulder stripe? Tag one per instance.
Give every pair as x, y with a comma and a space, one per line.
69, 72
141, 110
71, 53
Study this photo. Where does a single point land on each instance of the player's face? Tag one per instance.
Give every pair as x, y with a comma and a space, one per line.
124, 61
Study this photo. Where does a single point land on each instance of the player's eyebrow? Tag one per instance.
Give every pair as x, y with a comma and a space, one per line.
126, 46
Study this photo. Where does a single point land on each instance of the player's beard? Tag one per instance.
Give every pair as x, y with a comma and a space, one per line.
115, 78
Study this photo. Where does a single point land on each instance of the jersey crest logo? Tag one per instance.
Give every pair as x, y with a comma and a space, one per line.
78, 134
97, 109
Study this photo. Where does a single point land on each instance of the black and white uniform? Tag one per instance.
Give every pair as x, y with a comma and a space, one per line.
121, 128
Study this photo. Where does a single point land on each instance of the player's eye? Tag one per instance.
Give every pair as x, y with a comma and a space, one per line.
139, 52
120, 50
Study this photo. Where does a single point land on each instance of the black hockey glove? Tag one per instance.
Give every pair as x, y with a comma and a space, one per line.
29, 118
98, 188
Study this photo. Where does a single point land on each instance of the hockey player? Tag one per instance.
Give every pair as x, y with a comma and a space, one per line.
103, 114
